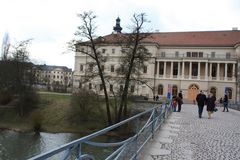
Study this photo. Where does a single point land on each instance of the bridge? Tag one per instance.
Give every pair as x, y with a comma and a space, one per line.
164, 135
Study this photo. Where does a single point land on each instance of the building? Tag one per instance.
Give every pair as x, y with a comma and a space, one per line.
53, 77
186, 61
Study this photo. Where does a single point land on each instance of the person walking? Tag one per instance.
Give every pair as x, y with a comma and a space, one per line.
174, 103
180, 101
210, 102
225, 103
201, 99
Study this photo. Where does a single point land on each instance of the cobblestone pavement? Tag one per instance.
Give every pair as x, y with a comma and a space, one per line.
188, 137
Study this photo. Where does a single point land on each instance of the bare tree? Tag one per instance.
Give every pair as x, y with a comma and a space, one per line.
133, 58
87, 31
17, 77
5, 46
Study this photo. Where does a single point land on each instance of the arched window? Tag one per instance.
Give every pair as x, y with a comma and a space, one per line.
174, 90
160, 89
213, 90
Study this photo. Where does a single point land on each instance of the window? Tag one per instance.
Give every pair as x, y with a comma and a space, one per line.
113, 51
121, 88
162, 54
194, 69
194, 54
161, 68
176, 54
103, 50
175, 69
174, 90
229, 70
132, 89
228, 91
111, 87
122, 69
213, 91
90, 67
214, 70
144, 69
90, 86
212, 54
82, 49
102, 67
155, 67
101, 87
80, 85
112, 68
81, 67
200, 54
228, 55
160, 89
188, 54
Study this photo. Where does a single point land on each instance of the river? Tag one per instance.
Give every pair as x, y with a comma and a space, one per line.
21, 146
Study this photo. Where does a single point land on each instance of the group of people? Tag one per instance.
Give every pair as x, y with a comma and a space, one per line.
210, 102
177, 101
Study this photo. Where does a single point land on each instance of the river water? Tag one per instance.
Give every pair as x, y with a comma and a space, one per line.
21, 146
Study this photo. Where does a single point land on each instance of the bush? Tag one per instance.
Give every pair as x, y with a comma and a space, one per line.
85, 103
27, 101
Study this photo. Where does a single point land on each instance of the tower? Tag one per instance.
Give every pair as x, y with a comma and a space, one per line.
117, 28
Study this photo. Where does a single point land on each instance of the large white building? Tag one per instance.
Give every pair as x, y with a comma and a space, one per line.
187, 61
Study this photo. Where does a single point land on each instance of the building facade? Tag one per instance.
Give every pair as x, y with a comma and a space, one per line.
53, 76
186, 61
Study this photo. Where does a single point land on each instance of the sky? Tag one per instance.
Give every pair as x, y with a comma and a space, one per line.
52, 23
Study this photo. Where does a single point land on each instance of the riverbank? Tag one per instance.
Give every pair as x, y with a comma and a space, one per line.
54, 114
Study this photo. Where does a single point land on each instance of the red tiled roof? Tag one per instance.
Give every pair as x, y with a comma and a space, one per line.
203, 38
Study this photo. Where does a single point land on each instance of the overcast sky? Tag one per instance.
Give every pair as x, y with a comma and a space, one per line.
52, 23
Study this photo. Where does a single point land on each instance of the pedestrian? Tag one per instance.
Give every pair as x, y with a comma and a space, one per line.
174, 103
225, 103
180, 101
201, 99
210, 102
157, 98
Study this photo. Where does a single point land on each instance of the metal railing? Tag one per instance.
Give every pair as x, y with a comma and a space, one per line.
128, 148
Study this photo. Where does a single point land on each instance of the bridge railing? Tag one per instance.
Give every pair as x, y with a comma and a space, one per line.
128, 148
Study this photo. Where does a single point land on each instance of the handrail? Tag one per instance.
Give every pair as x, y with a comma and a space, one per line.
157, 117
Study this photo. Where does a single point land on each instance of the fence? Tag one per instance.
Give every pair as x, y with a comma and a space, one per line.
128, 148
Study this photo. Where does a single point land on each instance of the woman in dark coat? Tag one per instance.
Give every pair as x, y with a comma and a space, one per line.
210, 102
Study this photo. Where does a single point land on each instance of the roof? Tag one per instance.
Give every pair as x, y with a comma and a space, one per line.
51, 68
201, 38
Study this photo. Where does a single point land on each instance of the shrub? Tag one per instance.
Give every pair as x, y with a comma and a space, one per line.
84, 104
27, 101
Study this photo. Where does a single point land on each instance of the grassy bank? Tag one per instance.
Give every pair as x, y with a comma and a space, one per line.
54, 114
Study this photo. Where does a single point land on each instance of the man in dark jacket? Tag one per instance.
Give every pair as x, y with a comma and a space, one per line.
180, 101
201, 99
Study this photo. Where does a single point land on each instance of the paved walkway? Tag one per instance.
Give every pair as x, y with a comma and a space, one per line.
184, 136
